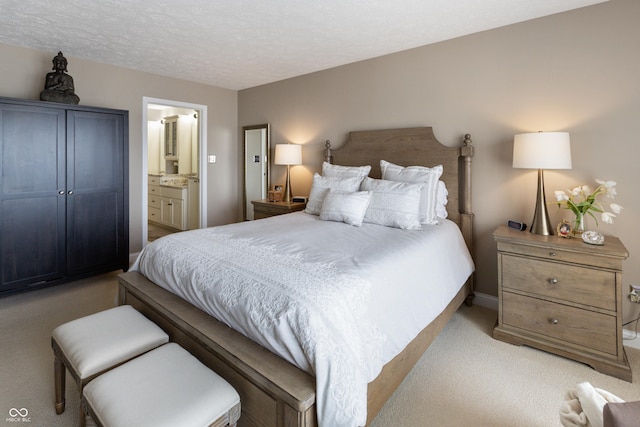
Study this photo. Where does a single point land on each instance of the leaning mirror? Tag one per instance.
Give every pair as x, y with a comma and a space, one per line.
256, 166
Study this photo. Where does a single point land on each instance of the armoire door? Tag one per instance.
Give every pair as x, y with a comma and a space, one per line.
95, 192
32, 195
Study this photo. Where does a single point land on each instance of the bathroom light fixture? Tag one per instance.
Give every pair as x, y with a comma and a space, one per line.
288, 154
542, 150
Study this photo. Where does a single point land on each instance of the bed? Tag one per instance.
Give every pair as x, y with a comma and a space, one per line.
279, 390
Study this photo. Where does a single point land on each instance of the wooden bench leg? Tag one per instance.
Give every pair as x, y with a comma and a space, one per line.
83, 414
234, 415
59, 374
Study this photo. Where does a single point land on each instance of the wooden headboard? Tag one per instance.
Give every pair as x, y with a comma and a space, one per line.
417, 147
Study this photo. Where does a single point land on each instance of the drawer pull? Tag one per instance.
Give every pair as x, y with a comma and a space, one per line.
554, 321
553, 281
552, 254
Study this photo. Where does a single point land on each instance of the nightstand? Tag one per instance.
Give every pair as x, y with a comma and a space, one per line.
562, 296
264, 208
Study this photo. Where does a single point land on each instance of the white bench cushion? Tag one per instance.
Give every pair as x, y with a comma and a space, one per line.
100, 341
165, 387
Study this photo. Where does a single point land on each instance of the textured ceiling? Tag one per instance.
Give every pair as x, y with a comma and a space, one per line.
237, 44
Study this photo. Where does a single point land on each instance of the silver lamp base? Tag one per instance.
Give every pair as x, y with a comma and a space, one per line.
287, 194
541, 224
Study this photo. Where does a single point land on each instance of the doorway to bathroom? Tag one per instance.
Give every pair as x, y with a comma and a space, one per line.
173, 167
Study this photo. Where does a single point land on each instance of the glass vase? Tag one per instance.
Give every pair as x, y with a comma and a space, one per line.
578, 225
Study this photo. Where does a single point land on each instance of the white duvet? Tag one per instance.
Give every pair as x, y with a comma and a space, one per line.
335, 300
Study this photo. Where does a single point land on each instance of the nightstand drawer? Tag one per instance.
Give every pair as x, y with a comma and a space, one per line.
561, 322
557, 254
581, 285
266, 209
273, 209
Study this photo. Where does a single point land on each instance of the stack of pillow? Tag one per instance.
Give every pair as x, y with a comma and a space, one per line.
405, 197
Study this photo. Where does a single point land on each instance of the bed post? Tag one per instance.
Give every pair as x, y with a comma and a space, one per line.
467, 152
466, 216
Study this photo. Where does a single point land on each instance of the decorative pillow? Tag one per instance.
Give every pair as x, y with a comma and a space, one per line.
430, 176
345, 171
321, 185
347, 207
393, 204
442, 200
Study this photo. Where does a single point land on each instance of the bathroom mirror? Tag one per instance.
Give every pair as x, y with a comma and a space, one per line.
256, 165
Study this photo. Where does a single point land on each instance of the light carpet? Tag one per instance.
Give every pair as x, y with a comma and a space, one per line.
466, 378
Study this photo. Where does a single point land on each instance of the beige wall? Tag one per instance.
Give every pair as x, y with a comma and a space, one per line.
577, 71
23, 72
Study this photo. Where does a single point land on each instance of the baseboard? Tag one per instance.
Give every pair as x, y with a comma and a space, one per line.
487, 301
630, 338
132, 258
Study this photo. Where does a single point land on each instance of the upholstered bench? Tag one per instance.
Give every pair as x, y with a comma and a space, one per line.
96, 343
164, 387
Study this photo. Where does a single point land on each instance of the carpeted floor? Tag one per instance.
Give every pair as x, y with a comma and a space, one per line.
26, 358
466, 378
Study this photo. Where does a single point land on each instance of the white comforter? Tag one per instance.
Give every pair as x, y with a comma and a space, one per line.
335, 300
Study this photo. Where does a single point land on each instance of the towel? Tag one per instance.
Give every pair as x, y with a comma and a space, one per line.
583, 406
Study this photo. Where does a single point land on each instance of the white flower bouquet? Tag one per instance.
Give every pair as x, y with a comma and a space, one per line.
581, 200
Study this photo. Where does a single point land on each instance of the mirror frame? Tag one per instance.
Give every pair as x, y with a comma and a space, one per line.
267, 154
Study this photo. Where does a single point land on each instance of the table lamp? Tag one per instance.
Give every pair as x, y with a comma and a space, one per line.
542, 150
288, 154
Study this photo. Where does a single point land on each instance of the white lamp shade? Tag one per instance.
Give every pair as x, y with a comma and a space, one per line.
542, 150
288, 154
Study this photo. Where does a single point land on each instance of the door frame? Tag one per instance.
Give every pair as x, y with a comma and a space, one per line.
202, 160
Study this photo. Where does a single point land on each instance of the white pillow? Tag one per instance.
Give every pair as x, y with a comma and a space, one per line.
393, 204
442, 200
347, 207
430, 176
321, 185
345, 171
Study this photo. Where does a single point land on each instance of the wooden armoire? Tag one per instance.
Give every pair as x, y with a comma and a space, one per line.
64, 198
